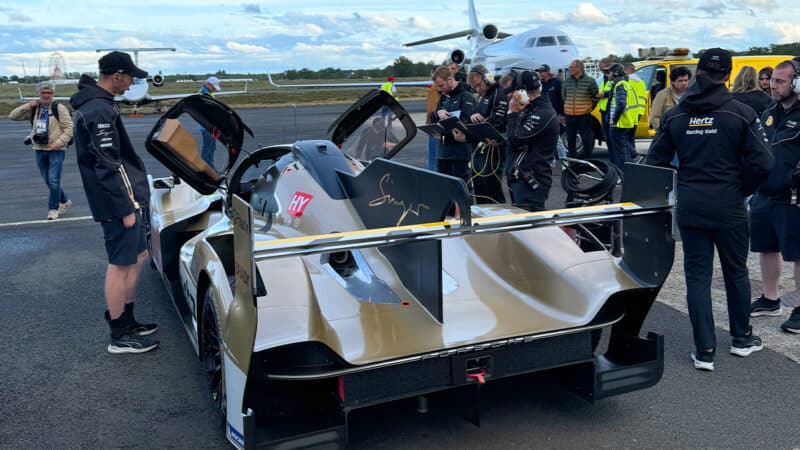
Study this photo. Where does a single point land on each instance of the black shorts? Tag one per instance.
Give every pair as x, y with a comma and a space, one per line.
124, 245
775, 227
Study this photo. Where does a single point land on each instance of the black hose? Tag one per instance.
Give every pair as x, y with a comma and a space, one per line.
595, 190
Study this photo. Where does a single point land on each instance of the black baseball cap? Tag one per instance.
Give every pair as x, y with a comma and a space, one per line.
120, 62
717, 60
543, 68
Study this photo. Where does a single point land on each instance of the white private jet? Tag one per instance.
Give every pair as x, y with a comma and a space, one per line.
502, 51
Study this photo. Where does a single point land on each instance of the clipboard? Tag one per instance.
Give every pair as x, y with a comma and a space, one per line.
483, 131
433, 129
451, 123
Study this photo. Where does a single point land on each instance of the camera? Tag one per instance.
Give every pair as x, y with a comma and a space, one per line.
41, 138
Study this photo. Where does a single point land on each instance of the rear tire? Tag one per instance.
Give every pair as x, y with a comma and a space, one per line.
213, 363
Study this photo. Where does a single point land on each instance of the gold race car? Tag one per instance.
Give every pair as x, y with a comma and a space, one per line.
321, 276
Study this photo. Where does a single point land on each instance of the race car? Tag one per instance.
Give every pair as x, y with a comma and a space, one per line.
321, 276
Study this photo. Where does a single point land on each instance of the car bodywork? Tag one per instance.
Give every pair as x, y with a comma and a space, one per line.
318, 277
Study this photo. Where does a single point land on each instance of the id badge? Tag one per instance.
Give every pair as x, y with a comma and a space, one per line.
41, 126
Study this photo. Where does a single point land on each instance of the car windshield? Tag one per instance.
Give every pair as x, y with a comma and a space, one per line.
375, 137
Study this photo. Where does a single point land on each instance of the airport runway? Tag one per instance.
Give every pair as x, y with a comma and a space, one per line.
59, 388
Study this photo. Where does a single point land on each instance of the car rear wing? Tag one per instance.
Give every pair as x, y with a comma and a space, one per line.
646, 211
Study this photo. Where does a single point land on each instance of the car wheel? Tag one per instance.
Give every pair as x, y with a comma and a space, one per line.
213, 364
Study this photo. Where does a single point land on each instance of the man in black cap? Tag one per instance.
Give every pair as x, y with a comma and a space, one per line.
115, 181
532, 131
723, 157
551, 85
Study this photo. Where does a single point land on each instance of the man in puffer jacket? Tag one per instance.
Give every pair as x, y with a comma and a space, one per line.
51, 131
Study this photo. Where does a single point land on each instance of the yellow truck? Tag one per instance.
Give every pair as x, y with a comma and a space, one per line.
657, 68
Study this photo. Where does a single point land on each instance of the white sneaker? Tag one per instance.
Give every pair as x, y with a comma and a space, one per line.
52, 214
64, 207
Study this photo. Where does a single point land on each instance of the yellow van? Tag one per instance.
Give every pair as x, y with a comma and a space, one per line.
656, 71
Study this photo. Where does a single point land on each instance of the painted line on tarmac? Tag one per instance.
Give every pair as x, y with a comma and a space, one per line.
33, 222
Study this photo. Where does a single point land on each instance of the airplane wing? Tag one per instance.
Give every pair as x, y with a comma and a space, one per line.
502, 35
158, 98
348, 85
443, 37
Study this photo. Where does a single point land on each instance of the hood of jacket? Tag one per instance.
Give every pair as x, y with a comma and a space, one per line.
87, 90
704, 95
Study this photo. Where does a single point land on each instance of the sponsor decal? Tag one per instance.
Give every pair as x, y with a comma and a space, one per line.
769, 121
101, 126
235, 435
701, 121
791, 123
298, 203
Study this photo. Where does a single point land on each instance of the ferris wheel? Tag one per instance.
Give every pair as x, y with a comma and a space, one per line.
58, 67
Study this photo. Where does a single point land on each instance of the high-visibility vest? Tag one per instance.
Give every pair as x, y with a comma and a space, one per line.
641, 94
602, 105
387, 87
631, 112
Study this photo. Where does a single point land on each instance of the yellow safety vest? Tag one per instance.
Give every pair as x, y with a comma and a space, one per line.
631, 112
641, 94
387, 87
602, 105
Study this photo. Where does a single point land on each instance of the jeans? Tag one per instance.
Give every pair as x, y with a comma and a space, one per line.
209, 145
607, 133
579, 125
433, 147
698, 266
50, 163
620, 152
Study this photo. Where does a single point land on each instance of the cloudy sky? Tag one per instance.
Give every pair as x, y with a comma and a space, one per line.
252, 37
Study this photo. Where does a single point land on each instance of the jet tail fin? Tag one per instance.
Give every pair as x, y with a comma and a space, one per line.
473, 16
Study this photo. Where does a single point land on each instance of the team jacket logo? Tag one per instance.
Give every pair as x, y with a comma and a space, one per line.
769, 121
701, 121
298, 203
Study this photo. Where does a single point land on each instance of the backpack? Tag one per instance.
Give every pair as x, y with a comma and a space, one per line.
54, 105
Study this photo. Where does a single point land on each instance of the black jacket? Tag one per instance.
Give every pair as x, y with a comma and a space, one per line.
458, 100
552, 88
758, 100
113, 174
783, 131
722, 152
532, 135
493, 107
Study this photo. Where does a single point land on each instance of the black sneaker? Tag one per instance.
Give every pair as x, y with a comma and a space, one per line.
703, 360
131, 343
763, 307
793, 324
744, 346
141, 329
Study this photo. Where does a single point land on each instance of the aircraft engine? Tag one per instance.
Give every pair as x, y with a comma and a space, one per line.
456, 56
158, 80
489, 32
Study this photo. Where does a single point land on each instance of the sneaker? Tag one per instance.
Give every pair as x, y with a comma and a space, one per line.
744, 346
764, 307
131, 343
793, 324
136, 327
52, 214
64, 207
703, 360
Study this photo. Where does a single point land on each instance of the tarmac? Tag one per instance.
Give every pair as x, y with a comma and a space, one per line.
59, 388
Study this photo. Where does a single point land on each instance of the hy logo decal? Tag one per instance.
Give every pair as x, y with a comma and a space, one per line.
298, 203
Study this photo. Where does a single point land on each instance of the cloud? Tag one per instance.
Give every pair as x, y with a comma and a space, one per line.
552, 17
251, 8
588, 13
17, 17
214, 49
423, 23
384, 21
786, 32
246, 48
312, 30
728, 30
60, 43
322, 49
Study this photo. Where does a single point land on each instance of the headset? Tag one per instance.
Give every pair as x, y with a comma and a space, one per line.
482, 71
617, 70
796, 76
